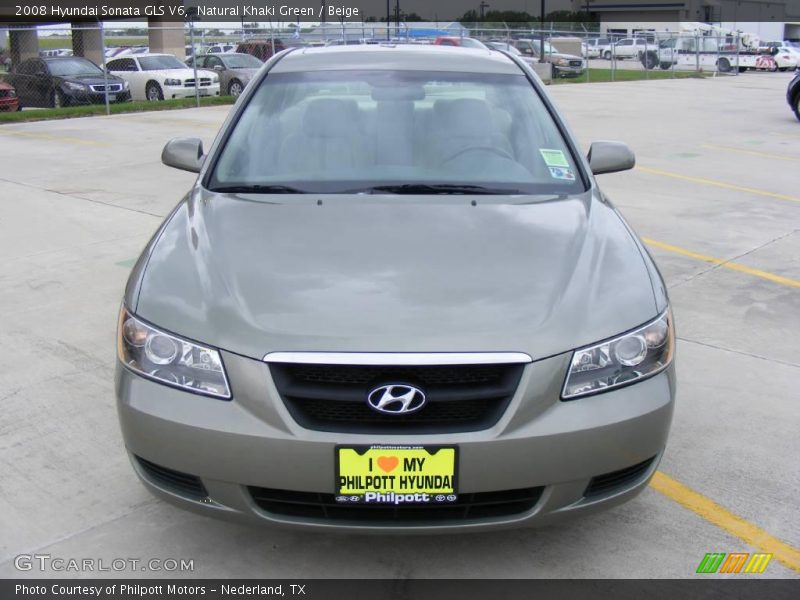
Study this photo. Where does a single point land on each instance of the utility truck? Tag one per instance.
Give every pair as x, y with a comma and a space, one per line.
707, 47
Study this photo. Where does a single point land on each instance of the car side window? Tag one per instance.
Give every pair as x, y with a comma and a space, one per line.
213, 62
122, 64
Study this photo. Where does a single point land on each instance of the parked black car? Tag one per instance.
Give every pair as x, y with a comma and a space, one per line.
63, 81
793, 93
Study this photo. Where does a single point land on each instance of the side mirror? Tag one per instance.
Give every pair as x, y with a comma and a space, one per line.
218, 67
610, 157
183, 153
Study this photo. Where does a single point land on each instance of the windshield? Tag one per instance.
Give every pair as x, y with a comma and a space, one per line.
73, 66
505, 47
349, 132
241, 61
157, 63
470, 43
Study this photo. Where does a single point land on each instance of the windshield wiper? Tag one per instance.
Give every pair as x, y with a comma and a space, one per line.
258, 189
440, 188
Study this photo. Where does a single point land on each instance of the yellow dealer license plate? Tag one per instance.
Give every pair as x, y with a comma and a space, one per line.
396, 474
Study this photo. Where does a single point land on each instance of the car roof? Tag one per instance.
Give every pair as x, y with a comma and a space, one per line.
58, 58
143, 55
399, 57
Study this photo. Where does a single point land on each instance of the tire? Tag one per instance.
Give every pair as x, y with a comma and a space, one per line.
773, 67
607, 55
665, 66
796, 106
742, 69
649, 60
153, 92
235, 88
58, 99
724, 65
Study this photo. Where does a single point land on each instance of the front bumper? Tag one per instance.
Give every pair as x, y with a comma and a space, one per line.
540, 442
179, 91
568, 71
9, 103
73, 97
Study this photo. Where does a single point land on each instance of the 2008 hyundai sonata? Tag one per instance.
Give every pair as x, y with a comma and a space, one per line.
395, 300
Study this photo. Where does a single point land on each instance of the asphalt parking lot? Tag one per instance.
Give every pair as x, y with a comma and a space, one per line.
715, 196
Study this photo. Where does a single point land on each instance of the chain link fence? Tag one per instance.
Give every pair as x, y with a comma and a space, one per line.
69, 66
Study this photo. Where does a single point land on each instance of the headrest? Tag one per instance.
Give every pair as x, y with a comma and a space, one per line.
329, 117
398, 93
464, 117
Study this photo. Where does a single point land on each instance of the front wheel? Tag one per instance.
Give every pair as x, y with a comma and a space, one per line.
607, 55
235, 88
773, 67
665, 66
724, 65
153, 92
797, 106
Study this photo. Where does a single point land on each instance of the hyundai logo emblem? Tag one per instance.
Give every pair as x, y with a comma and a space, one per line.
396, 399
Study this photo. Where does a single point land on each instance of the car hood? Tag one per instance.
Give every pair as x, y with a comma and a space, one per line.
90, 79
187, 73
393, 274
567, 56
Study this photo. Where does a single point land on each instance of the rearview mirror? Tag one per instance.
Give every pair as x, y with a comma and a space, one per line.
183, 153
610, 157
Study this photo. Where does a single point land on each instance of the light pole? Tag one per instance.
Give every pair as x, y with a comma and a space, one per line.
483, 6
541, 34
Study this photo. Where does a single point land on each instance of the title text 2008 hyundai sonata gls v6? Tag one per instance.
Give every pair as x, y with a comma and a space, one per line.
395, 300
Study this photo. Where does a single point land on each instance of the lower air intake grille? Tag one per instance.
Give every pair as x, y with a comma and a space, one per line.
175, 481
334, 397
480, 505
616, 480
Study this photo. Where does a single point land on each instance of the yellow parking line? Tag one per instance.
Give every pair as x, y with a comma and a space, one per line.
53, 138
721, 184
752, 152
176, 121
724, 263
724, 519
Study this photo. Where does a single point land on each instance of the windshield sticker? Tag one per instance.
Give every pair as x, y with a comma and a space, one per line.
561, 173
553, 158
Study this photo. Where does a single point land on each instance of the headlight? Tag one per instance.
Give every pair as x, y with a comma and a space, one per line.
562, 62
169, 359
125, 85
171, 81
77, 87
215, 79
630, 357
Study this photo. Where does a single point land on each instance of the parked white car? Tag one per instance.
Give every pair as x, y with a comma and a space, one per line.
159, 76
596, 47
220, 48
786, 55
630, 48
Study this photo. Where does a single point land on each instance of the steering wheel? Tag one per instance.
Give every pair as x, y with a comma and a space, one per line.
491, 149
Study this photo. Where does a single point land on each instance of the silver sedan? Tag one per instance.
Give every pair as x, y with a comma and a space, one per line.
395, 300
235, 70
